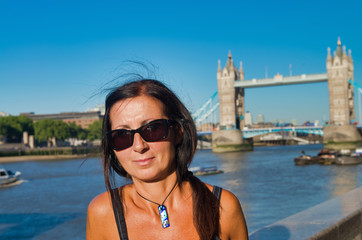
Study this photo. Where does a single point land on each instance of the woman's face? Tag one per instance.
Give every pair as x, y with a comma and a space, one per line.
145, 161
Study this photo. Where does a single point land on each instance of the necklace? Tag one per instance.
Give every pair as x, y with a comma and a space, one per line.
161, 208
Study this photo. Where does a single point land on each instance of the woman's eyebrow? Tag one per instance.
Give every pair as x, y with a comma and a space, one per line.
125, 126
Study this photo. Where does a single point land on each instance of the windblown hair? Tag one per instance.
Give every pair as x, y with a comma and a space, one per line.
205, 204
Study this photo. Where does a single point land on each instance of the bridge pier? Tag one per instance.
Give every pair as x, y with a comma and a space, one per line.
342, 137
229, 141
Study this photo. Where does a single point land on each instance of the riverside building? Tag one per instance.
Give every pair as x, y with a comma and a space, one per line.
82, 119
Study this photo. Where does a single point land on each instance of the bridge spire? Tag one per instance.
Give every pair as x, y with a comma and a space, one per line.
339, 49
230, 63
241, 71
350, 56
329, 56
219, 66
344, 53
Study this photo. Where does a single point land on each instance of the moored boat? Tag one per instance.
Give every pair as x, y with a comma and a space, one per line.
327, 157
324, 157
7, 176
348, 159
305, 160
202, 171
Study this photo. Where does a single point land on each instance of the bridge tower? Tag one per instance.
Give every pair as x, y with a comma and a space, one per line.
231, 110
231, 99
339, 70
341, 97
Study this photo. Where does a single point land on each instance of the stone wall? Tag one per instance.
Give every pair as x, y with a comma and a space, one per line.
336, 219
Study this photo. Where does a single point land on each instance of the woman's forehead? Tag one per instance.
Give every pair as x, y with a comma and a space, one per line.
137, 109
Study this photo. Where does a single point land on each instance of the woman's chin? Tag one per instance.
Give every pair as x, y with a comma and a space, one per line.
149, 175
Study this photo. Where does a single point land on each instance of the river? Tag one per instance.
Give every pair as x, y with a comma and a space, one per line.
52, 199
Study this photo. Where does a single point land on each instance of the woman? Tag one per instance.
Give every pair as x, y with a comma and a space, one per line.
150, 137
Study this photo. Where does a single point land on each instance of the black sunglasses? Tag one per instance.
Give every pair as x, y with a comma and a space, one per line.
153, 131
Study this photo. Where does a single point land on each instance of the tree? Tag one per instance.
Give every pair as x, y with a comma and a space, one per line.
3, 129
3, 126
77, 132
27, 124
47, 129
95, 130
13, 127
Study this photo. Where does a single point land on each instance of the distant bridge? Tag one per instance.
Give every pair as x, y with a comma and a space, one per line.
249, 133
253, 132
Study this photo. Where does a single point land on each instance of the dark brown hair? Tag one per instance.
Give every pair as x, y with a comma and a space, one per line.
205, 204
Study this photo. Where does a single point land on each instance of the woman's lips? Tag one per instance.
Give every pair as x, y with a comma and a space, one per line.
144, 162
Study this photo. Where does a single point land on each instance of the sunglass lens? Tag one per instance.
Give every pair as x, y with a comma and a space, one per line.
122, 139
155, 131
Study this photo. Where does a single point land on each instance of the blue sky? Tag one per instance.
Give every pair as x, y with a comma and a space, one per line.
55, 55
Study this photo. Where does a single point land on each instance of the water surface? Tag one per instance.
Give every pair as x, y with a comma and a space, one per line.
52, 201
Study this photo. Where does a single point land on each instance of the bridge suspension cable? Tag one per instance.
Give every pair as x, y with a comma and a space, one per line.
207, 114
207, 110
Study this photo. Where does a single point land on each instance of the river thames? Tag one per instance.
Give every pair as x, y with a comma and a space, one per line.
52, 200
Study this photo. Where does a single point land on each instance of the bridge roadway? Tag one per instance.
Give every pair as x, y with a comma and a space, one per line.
252, 132
249, 133
281, 80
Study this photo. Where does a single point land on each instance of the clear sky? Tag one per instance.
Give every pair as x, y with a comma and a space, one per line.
56, 54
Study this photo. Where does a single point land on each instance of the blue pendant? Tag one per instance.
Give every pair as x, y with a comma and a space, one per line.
163, 215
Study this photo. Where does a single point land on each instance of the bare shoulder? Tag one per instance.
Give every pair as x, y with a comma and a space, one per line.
229, 203
99, 216
99, 205
232, 220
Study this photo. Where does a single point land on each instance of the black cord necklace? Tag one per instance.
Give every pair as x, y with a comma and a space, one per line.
161, 208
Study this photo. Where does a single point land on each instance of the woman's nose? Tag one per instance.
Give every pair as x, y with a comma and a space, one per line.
139, 144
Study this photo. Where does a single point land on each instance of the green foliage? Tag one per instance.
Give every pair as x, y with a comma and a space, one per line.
13, 127
77, 132
27, 124
43, 130
73, 129
95, 130
3, 127
83, 151
46, 129
82, 134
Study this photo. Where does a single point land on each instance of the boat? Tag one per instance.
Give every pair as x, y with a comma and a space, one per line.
305, 160
203, 171
348, 159
7, 176
324, 157
327, 157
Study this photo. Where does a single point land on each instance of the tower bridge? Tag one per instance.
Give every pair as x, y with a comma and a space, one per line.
231, 104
